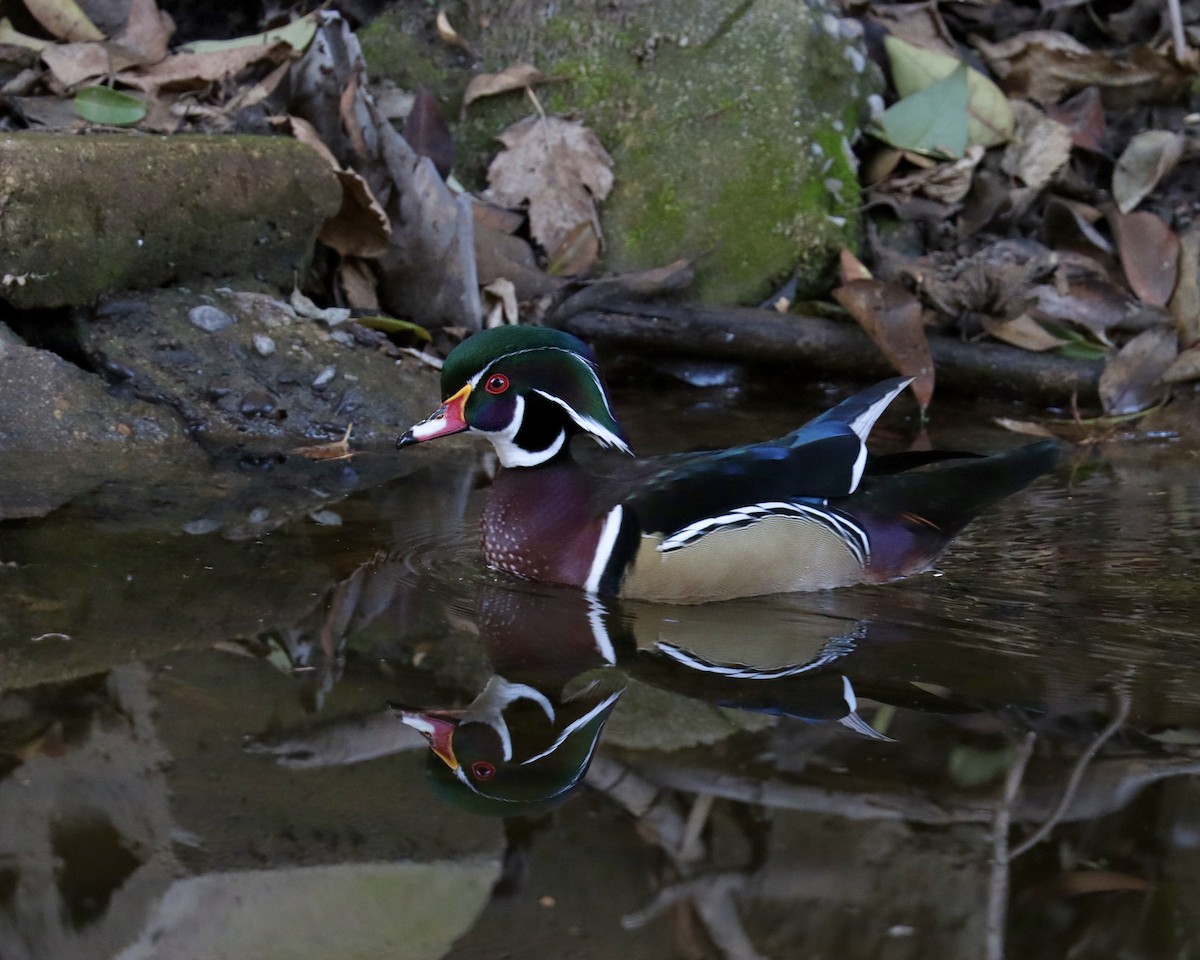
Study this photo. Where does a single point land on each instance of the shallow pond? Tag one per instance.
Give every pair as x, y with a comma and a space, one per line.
995, 758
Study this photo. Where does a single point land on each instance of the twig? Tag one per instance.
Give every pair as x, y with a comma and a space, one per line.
997, 905
1077, 772
690, 848
1175, 15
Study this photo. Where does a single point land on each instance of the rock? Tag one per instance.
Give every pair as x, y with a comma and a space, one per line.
49, 404
267, 375
87, 216
728, 124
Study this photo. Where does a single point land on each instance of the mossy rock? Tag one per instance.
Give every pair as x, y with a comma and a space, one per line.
728, 124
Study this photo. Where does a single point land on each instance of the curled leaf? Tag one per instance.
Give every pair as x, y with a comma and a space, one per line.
516, 77
1149, 157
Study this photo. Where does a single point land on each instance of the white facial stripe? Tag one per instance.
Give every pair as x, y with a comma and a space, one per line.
604, 548
572, 727
601, 433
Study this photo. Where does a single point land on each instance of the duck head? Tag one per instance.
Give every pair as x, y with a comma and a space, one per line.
527, 389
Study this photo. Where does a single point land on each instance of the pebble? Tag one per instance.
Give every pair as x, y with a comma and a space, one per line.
326, 518
322, 378
257, 404
209, 318
264, 346
201, 526
259, 515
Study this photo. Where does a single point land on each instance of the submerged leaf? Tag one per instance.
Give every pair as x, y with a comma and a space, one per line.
110, 107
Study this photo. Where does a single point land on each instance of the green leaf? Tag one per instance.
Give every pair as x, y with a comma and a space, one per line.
298, 35
110, 107
392, 325
932, 120
990, 117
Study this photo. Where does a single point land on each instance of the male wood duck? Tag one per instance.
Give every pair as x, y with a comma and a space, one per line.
808, 511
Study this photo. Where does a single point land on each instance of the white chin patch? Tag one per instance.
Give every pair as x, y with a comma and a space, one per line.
512, 455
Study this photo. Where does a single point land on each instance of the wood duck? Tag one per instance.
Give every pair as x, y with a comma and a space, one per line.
808, 511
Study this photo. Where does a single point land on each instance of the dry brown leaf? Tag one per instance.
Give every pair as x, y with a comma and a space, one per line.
516, 77
1039, 147
10, 36
144, 39
946, 183
447, 33
917, 23
357, 280
891, 316
1023, 332
577, 253
64, 20
852, 267
559, 167
640, 285
1149, 157
500, 303
1184, 368
1083, 115
1149, 253
496, 218
360, 228
1132, 377
1044, 65
193, 70
1185, 304
73, 64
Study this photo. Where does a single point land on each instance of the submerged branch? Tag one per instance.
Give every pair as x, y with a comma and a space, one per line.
739, 333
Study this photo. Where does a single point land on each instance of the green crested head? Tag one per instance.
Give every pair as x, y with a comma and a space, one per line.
528, 389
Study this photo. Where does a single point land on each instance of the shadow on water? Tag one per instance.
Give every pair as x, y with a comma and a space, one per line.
198, 759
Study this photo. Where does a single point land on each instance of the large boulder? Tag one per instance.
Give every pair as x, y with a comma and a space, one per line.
728, 124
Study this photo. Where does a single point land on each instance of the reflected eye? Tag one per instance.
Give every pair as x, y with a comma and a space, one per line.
496, 383
481, 769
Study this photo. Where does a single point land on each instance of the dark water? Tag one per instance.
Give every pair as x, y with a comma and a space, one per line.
995, 758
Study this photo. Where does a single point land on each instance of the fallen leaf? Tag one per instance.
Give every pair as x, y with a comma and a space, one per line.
390, 325
496, 218
852, 267
639, 285
1024, 427
1149, 157
891, 316
427, 132
298, 35
334, 450
559, 167
917, 23
932, 120
500, 303
195, 70
360, 228
990, 119
144, 38
1185, 303
1132, 377
947, 183
1149, 254
1024, 332
14, 38
516, 77
110, 107
357, 281
577, 253
1070, 225
1039, 147
447, 34
1045, 65
1083, 115
64, 20
1184, 368
75, 63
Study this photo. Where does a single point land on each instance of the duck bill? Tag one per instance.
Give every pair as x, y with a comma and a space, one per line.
437, 727
449, 418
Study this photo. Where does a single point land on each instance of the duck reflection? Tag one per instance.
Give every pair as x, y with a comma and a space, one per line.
525, 742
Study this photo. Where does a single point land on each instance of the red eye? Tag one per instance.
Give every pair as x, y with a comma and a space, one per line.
496, 383
481, 769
